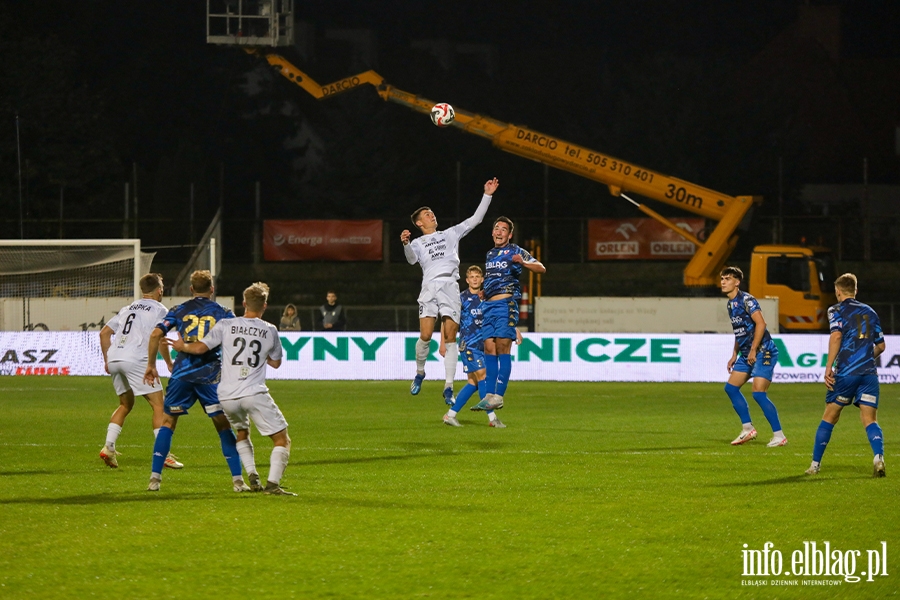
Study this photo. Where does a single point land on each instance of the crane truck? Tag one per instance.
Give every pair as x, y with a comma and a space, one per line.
801, 277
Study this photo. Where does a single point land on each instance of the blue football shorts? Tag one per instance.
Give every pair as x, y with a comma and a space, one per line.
858, 389
472, 360
181, 395
499, 318
764, 366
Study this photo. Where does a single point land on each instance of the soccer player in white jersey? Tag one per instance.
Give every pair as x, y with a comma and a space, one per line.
437, 252
126, 361
248, 345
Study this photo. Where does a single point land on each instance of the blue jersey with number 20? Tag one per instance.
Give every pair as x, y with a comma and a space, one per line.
193, 320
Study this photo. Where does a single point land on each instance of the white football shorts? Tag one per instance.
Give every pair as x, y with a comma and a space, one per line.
440, 298
260, 408
130, 376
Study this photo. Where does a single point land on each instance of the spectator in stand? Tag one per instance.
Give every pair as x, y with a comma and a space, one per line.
331, 314
290, 320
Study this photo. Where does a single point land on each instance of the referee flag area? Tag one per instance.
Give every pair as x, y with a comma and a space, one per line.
594, 490
540, 356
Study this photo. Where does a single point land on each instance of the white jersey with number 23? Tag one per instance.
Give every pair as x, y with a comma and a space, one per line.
246, 344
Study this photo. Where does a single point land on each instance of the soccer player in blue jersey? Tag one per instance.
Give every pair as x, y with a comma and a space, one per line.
471, 349
195, 377
850, 375
500, 309
754, 356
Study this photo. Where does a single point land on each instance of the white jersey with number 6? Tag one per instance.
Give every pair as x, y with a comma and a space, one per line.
246, 344
132, 327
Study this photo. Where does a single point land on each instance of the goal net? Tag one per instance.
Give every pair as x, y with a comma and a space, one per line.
42, 281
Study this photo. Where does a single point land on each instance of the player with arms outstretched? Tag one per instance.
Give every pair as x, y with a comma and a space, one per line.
249, 344
126, 361
502, 292
755, 355
851, 377
437, 252
194, 377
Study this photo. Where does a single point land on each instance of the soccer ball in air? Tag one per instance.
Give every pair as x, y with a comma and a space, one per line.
442, 114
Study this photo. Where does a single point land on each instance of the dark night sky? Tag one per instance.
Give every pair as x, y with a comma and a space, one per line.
625, 78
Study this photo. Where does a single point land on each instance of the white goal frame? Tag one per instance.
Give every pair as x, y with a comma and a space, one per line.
134, 243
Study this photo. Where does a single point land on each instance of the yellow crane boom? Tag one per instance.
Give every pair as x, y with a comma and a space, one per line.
618, 175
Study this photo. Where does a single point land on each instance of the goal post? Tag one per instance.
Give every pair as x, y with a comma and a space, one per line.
55, 284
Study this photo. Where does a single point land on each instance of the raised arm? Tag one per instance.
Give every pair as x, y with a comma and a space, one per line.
408, 251
490, 187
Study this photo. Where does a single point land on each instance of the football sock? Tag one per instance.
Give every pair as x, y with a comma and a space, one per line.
823, 435
245, 451
503, 373
462, 397
875, 438
492, 366
492, 416
155, 433
278, 462
768, 409
230, 452
738, 402
450, 360
421, 355
112, 434
452, 413
482, 389
161, 450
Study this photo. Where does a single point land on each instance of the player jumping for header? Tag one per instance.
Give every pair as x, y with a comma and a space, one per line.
754, 356
437, 252
500, 309
850, 375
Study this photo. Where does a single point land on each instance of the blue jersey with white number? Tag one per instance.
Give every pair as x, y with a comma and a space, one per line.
501, 275
470, 322
193, 320
740, 310
860, 330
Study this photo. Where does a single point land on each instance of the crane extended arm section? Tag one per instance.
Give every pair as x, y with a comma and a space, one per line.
618, 175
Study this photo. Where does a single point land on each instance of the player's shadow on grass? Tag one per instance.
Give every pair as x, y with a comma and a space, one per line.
91, 499
846, 472
777, 481
372, 459
11, 473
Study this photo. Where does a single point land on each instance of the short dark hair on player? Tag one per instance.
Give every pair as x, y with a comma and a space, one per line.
734, 272
415, 216
475, 269
151, 282
846, 283
201, 281
508, 222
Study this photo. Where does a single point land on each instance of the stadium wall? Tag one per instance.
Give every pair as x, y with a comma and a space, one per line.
541, 356
651, 315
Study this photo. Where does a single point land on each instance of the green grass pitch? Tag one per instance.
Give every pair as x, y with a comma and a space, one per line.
595, 490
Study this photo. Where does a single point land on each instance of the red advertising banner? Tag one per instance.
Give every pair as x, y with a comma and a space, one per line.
322, 240
641, 239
